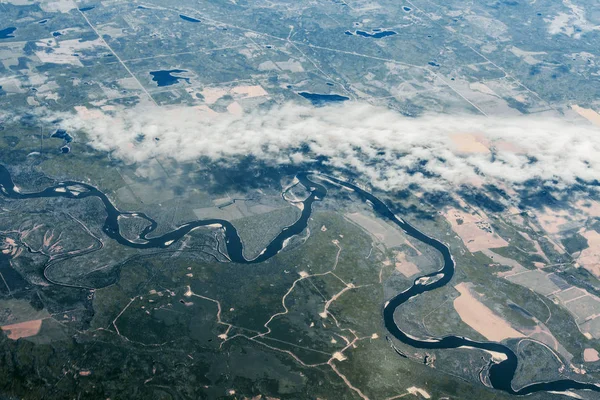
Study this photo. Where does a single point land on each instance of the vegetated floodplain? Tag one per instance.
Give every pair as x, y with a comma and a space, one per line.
243, 320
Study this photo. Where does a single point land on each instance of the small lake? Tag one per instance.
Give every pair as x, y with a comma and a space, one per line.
188, 19
166, 77
374, 34
318, 99
7, 33
62, 134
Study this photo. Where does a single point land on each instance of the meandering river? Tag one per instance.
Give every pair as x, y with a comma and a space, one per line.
501, 373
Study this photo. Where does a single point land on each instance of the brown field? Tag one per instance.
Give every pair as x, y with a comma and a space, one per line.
552, 221
591, 355
249, 91
590, 257
474, 230
590, 208
23, 329
587, 113
479, 317
404, 266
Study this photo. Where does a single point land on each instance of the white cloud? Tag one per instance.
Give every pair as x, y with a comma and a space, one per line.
378, 143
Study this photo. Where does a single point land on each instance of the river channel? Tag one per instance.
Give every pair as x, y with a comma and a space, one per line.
500, 373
